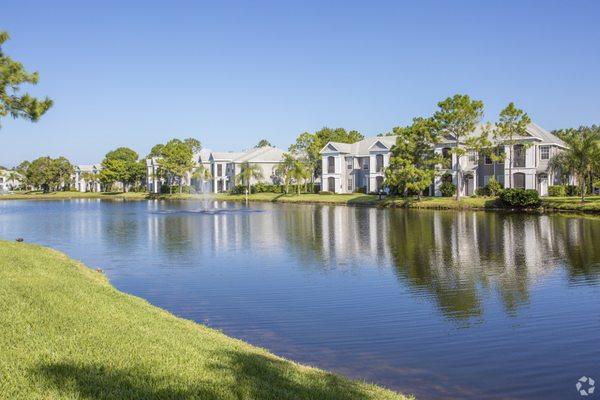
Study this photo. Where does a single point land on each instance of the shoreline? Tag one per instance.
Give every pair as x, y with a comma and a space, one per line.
549, 204
75, 335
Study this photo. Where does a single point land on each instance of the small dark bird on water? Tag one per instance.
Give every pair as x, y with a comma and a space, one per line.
19, 240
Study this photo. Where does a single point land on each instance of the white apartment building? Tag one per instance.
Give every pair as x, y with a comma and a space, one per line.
361, 165
87, 185
529, 169
223, 168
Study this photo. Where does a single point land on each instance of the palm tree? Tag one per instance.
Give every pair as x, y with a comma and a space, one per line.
580, 158
202, 173
300, 173
284, 170
247, 172
15, 177
89, 178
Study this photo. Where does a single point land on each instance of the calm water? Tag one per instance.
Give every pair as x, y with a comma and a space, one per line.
466, 305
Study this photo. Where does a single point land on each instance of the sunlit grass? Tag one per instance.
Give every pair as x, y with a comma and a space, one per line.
591, 204
68, 334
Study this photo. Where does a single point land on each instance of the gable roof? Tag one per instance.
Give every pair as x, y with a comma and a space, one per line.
534, 132
261, 154
89, 167
362, 147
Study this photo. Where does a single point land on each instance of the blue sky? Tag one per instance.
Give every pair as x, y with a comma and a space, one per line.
230, 73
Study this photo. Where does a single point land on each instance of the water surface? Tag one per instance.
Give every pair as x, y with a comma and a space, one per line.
442, 304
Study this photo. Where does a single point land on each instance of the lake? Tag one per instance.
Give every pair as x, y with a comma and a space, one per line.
442, 304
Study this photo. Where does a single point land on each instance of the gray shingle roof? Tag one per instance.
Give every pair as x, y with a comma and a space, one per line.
363, 147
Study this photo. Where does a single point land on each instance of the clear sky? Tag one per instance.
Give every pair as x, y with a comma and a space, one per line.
125, 73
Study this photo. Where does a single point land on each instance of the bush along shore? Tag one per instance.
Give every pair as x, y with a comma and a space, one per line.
68, 334
511, 199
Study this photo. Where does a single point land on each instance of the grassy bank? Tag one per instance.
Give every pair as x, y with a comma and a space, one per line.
68, 334
570, 204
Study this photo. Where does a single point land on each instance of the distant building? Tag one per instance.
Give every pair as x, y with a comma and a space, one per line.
10, 180
87, 185
222, 167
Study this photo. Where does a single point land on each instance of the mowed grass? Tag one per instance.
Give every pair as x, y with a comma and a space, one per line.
591, 204
68, 334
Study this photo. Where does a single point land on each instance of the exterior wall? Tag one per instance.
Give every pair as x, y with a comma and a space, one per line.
336, 175
220, 180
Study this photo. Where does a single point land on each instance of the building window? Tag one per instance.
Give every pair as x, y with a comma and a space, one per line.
379, 163
331, 184
366, 164
330, 164
447, 158
544, 152
472, 156
487, 160
219, 170
519, 180
350, 184
519, 156
349, 163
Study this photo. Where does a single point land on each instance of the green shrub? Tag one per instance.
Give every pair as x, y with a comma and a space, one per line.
448, 189
573, 190
262, 187
520, 197
557, 191
325, 192
493, 188
239, 189
480, 191
360, 190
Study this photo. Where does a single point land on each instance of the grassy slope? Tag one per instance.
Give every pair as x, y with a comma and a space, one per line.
68, 334
592, 203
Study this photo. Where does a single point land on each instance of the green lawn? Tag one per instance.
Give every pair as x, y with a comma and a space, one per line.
592, 203
68, 334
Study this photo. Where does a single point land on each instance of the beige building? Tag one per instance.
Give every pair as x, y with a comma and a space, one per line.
223, 169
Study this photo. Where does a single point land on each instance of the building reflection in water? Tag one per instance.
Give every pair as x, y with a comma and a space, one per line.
453, 257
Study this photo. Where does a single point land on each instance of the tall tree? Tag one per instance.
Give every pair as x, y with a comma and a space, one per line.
49, 174
156, 150
511, 127
194, 144
12, 76
413, 159
580, 158
176, 161
457, 116
248, 172
120, 165
569, 134
263, 143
